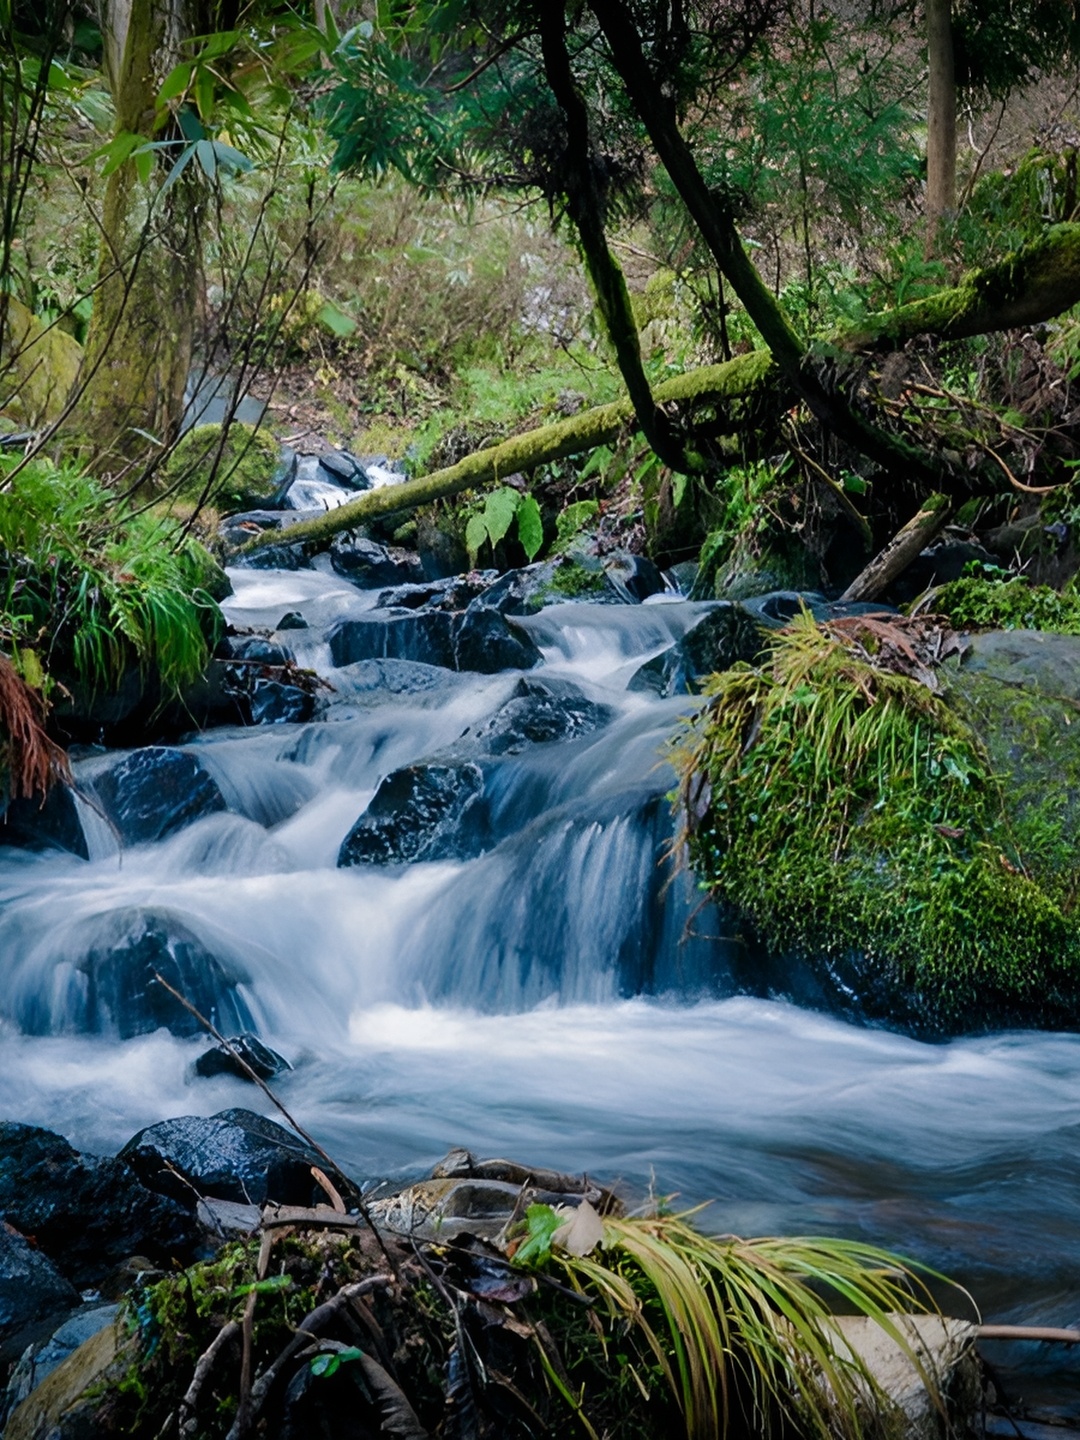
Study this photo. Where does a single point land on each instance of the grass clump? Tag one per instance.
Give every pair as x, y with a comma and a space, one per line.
976, 603
87, 591
852, 817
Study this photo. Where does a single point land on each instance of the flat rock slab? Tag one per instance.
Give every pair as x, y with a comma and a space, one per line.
945, 1349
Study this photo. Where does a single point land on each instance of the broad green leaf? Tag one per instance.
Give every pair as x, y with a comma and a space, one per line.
328, 1364
231, 159
176, 82
204, 149
499, 511
178, 168
678, 489
541, 1224
117, 151
265, 1287
334, 319
203, 92
144, 165
190, 124
220, 43
476, 533
530, 526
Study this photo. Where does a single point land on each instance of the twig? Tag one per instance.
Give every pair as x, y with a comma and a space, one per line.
328, 1185
188, 1422
1013, 481
1041, 1333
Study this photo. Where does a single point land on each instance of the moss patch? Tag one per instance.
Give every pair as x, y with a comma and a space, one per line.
234, 471
854, 819
973, 603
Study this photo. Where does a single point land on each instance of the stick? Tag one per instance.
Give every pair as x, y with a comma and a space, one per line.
900, 551
1040, 1333
188, 1423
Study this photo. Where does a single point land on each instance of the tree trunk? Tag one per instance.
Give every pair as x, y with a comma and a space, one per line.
139, 345
940, 123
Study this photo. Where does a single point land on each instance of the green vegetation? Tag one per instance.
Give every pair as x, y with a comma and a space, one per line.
230, 468
843, 811
87, 594
976, 603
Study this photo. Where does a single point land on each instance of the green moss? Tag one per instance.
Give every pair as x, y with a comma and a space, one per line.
572, 581
236, 471
975, 603
856, 818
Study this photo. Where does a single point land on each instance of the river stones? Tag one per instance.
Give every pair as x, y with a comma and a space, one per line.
370, 565
154, 792
417, 813
39, 1360
395, 634
234, 1155
726, 633
485, 641
31, 1289
539, 712
345, 468
633, 577
86, 1213
49, 824
222, 1060
113, 989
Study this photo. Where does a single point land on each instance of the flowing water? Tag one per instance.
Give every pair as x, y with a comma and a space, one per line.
562, 999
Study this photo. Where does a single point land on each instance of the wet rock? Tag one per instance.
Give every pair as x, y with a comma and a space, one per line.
86, 1213
252, 649
370, 565
454, 593
52, 824
274, 702
487, 642
40, 1360
423, 635
234, 1155
442, 551
220, 1060
417, 813
380, 678
65, 1405
154, 792
31, 1288
726, 633
115, 990
292, 620
346, 469
634, 577
1035, 660
539, 712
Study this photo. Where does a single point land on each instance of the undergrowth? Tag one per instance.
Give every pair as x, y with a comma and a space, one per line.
86, 592
976, 603
844, 811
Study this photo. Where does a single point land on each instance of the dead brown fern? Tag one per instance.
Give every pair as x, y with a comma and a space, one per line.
30, 761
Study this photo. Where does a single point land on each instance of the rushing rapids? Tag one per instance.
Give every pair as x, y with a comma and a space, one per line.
560, 993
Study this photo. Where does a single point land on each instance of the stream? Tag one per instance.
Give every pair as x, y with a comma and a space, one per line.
563, 998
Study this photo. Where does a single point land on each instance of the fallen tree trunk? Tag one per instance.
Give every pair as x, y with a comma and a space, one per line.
1033, 284
900, 551
739, 379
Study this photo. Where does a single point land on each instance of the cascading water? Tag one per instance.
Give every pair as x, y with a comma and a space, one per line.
562, 996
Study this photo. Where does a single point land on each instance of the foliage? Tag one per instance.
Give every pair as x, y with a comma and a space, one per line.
739, 1330
90, 592
501, 509
976, 603
843, 810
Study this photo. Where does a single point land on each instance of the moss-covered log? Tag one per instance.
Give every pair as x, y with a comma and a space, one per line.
739, 379
1029, 286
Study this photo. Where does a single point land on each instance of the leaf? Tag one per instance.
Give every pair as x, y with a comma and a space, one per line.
499, 511
476, 534
334, 319
581, 1231
204, 94
574, 517
265, 1287
541, 1223
530, 526
229, 158
678, 489
176, 82
117, 151
144, 165
190, 124
204, 149
327, 1365
178, 168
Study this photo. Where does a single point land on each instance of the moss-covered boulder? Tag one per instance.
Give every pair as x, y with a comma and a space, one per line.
237, 467
897, 842
39, 364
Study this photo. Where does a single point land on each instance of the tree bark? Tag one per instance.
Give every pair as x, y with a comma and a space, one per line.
140, 340
940, 123
900, 551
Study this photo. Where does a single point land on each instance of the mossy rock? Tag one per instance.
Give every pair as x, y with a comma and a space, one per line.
40, 365
241, 470
976, 603
898, 855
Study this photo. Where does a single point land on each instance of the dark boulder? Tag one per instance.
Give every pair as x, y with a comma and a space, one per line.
418, 813
86, 1213
539, 712
726, 633
222, 1060
154, 792
398, 634
234, 1155
49, 824
487, 642
380, 678
634, 577
115, 990
248, 648
292, 620
31, 1288
371, 565
275, 702
344, 468
454, 593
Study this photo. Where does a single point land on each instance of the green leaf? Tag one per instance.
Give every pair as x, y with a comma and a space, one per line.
499, 511
678, 489
327, 1365
117, 151
541, 1222
229, 158
265, 1287
204, 94
144, 164
476, 533
334, 319
176, 82
574, 517
204, 149
530, 526
190, 125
